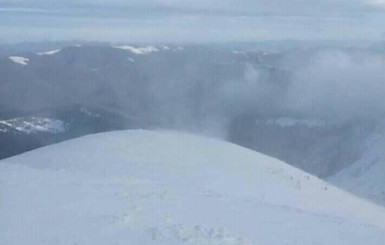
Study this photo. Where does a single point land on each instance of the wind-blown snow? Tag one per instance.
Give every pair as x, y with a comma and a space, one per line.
138, 50
141, 187
19, 60
52, 52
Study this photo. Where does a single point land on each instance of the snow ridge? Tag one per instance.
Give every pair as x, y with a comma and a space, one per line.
158, 188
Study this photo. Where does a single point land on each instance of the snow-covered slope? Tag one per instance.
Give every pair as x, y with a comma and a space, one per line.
365, 177
142, 187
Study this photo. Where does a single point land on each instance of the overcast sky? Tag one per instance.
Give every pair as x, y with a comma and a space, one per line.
191, 21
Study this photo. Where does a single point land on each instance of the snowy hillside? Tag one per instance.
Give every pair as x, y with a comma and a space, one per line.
365, 177
19, 134
142, 187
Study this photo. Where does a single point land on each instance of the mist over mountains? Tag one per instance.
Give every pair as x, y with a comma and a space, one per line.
208, 122
203, 80
314, 107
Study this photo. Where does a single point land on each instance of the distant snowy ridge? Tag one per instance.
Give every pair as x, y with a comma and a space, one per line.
158, 188
147, 49
19, 60
291, 122
33, 125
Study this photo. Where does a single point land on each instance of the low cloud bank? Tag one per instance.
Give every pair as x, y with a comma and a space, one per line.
335, 85
339, 86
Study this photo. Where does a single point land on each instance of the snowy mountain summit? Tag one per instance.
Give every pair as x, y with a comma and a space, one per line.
143, 187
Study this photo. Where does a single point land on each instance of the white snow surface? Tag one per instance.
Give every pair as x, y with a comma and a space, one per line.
142, 187
19, 60
51, 52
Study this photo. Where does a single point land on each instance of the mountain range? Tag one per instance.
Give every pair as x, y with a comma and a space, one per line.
237, 94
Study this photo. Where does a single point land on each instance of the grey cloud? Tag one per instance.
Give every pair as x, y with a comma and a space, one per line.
276, 7
200, 20
338, 85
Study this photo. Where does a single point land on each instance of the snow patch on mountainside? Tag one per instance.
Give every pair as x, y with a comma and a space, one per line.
148, 49
239, 52
33, 125
141, 187
19, 60
138, 50
85, 111
51, 52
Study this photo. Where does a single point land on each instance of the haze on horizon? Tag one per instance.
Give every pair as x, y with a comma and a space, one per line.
191, 21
